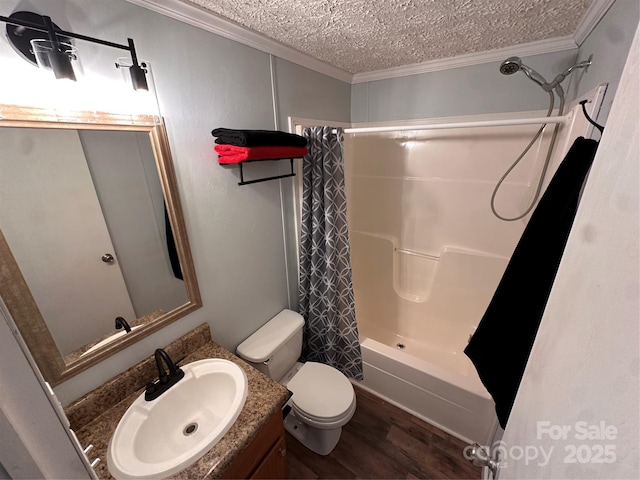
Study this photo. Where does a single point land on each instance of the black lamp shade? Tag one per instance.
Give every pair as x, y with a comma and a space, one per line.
61, 65
138, 77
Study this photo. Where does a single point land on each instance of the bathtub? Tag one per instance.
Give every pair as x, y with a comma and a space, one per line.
450, 400
413, 333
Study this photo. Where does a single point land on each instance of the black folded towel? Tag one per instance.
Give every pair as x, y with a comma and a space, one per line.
501, 345
257, 138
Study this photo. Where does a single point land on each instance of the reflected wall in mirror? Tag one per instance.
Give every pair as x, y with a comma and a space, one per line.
91, 230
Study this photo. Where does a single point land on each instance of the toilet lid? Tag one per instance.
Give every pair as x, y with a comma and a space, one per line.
321, 391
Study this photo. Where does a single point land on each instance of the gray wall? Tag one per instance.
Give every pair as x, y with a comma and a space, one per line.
469, 90
609, 43
205, 81
481, 89
300, 94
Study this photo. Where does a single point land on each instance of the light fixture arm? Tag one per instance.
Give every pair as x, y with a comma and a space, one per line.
132, 49
62, 33
51, 32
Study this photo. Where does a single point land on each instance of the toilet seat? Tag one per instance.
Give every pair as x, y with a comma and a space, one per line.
322, 395
323, 423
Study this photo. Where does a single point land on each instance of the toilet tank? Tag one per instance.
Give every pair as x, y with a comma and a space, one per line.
276, 346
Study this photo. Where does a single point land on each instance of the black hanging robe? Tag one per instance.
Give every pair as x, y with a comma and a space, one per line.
500, 347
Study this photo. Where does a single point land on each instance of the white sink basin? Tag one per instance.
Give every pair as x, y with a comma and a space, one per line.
164, 436
110, 339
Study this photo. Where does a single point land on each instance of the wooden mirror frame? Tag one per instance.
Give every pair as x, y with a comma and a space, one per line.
13, 287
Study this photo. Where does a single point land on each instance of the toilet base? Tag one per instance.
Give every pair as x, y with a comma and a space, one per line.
317, 440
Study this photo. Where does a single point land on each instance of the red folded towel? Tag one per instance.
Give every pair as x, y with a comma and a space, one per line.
232, 154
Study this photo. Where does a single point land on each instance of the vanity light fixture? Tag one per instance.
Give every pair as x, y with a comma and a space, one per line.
41, 42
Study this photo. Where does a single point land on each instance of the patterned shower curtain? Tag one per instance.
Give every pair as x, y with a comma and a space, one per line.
326, 291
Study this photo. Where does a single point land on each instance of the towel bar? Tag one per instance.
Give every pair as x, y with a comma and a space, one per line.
265, 179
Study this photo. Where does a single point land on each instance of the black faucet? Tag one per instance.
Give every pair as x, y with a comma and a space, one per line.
122, 323
165, 380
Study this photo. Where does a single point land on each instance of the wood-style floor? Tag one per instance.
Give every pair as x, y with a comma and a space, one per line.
382, 441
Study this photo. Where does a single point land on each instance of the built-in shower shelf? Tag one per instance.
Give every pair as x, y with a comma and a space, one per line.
417, 254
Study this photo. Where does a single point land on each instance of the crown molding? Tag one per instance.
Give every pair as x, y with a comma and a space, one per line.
596, 11
523, 50
201, 18
209, 21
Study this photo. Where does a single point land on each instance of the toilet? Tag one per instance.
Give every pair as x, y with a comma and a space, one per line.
323, 399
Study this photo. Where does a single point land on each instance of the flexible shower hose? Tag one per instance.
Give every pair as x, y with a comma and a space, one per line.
521, 156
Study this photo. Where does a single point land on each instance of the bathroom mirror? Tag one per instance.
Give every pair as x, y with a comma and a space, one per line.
91, 229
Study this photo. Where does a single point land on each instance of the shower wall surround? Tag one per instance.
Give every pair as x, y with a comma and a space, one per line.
427, 255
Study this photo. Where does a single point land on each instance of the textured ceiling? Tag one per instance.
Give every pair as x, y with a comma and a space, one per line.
366, 35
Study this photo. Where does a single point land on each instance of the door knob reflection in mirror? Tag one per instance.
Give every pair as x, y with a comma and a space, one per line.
107, 258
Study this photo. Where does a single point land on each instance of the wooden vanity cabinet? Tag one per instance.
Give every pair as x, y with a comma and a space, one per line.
266, 455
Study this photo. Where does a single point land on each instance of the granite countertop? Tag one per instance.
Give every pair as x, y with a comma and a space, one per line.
95, 416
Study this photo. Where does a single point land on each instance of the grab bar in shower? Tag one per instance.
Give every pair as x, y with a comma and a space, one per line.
417, 254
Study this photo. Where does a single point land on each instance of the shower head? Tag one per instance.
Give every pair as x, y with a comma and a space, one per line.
514, 64
510, 66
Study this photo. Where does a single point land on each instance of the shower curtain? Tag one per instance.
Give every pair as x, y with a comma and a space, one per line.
326, 291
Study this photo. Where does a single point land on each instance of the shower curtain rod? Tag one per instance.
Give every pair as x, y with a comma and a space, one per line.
442, 126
